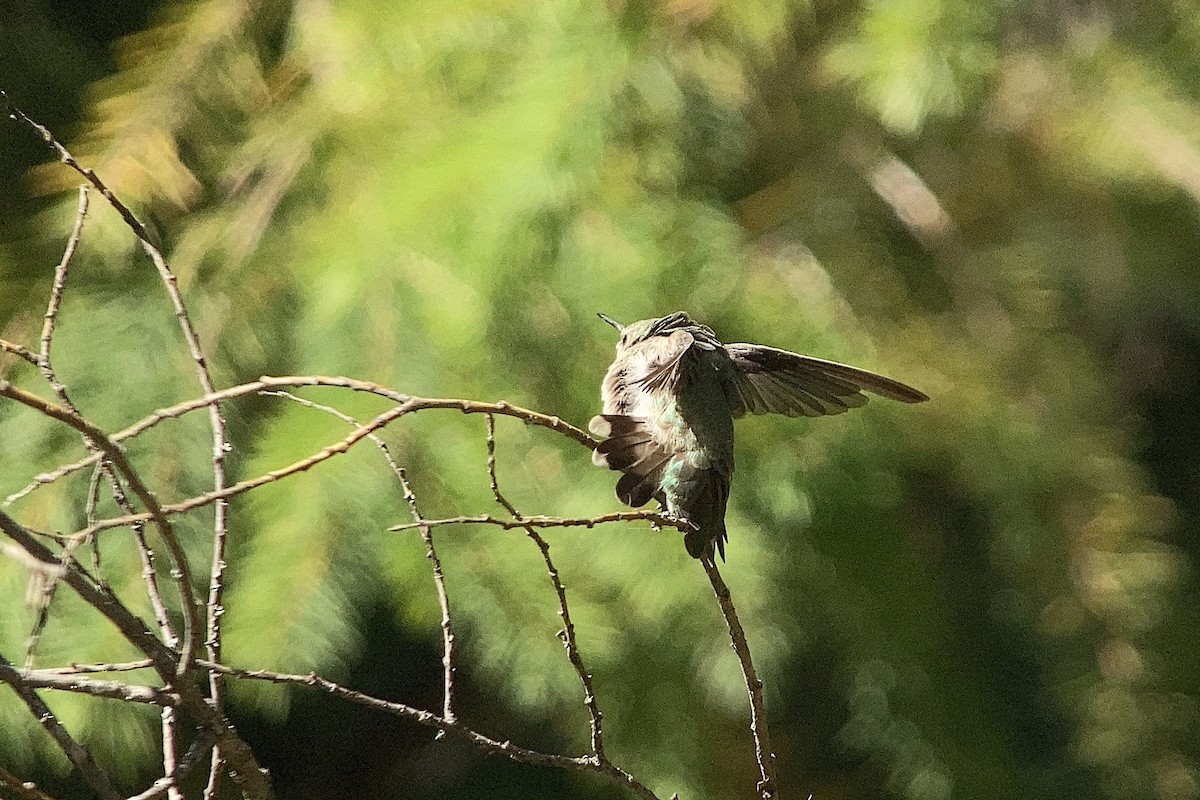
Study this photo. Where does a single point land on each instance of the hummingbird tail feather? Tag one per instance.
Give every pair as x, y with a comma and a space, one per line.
630, 449
707, 513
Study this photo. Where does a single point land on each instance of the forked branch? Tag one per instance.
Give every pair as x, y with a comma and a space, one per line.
176, 662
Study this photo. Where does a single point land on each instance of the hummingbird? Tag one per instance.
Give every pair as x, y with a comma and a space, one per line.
671, 396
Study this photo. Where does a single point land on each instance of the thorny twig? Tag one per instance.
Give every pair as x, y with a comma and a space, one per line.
654, 517
173, 666
448, 655
76, 752
170, 782
89, 669
42, 362
527, 523
429, 719
212, 640
296, 381
20, 351
74, 682
767, 786
115, 454
56, 294
410, 404
149, 575
449, 659
567, 634
243, 765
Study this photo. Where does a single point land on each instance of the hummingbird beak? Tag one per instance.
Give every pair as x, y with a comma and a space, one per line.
620, 328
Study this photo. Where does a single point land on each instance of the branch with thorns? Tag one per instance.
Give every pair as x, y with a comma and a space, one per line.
191, 686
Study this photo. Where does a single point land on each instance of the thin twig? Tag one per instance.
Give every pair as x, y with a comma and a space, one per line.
212, 640
135, 631
202, 745
243, 765
493, 481
174, 667
410, 405
87, 669
93, 502
116, 690
654, 517
56, 293
304, 464
24, 790
20, 351
44, 365
448, 655
431, 720
567, 637
65, 157
76, 752
220, 448
149, 575
449, 667
155, 512
567, 634
294, 381
767, 786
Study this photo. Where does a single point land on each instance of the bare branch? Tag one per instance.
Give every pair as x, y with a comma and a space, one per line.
135, 631
149, 574
202, 745
767, 786
567, 634
431, 720
65, 157
76, 752
56, 293
175, 664
24, 790
292, 381
116, 690
493, 481
101, 441
654, 517
46, 367
219, 449
439, 580
244, 768
19, 351
85, 669
302, 465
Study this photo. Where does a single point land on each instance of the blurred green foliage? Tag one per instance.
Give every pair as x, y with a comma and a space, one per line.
988, 596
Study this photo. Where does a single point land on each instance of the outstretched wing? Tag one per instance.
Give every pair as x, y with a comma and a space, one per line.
771, 381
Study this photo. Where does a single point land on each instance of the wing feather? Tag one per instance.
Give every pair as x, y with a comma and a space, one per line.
771, 381
660, 359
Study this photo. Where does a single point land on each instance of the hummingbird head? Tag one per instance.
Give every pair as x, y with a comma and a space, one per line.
644, 329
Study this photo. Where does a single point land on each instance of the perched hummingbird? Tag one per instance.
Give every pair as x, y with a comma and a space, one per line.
670, 399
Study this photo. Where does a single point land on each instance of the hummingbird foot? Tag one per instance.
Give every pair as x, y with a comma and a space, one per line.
673, 521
